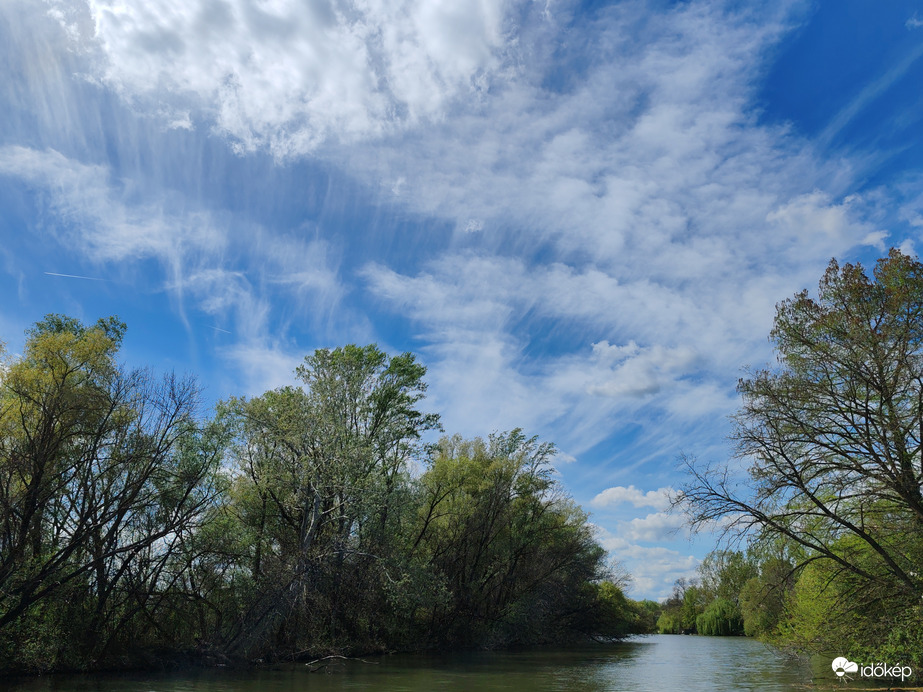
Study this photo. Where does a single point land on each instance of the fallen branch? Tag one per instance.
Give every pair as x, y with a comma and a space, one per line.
345, 658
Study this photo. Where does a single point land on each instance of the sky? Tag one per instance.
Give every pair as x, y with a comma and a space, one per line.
579, 215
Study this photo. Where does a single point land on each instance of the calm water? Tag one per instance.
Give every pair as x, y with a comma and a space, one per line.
656, 663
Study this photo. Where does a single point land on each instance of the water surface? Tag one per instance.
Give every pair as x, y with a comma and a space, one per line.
649, 664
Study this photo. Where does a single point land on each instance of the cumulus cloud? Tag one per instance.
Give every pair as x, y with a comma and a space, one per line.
639, 372
817, 224
654, 528
618, 495
653, 569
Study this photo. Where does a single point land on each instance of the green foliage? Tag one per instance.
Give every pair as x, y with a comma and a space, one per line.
669, 623
103, 475
720, 618
616, 615
323, 497
289, 524
647, 614
516, 555
832, 438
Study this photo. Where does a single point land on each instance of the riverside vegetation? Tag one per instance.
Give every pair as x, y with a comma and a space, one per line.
134, 531
831, 506
313, 519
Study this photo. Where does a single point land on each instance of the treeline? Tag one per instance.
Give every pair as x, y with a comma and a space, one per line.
831, 505
309, 520
797, 602
735, 593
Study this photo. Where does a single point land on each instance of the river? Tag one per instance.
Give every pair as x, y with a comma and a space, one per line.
654, 663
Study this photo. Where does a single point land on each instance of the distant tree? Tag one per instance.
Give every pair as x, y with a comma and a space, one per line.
724, 572
723, 575
763, 597
648, 613
720, 618
682, 608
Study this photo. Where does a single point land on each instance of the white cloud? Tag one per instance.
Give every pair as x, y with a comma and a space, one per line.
260, 365
286, 75
628, 209
93, 218
870, 92
653, 569
817, 224
640, 372
642, 216
611, 497
654, 528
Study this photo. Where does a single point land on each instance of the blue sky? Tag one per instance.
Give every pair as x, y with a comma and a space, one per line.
579, 215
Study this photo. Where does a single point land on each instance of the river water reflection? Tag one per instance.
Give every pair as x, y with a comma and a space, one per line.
655, 663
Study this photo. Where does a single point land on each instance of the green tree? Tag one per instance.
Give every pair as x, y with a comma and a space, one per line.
516, 556
320, 489
720, 618
763, 598
724, 572
832, 436
723, 575
100, 482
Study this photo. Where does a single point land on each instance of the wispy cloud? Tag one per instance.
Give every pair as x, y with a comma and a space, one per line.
592, 224
638, 214
92, 217
871, 91
643, 219
204, 264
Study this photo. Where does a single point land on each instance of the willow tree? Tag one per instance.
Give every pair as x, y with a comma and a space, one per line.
515, 556
832, 436
99, 483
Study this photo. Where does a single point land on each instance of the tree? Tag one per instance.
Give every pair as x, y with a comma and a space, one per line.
516, 556
720, 618
763, 598
100, 480
682, 608
832, 435
320, 468
724, 574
